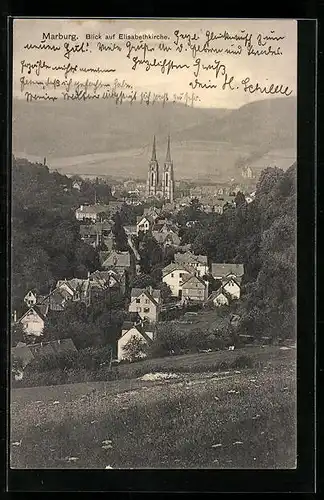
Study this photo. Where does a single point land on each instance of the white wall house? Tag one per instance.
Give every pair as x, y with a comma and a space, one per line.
231, 287
219, 298
194, 288
30, 298
198, 263
33, 322
174, 275
127, 334
143, 224
146, 303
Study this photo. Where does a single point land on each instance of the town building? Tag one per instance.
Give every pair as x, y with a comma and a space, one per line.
198, 263
78, 289
194, 289
222, 271
161, 187
169, 238
129, 331
97, 233
77, 185
146, 302
33, 320
232, 287
120, 261
31, 298
174, 275
144, 223
219, 298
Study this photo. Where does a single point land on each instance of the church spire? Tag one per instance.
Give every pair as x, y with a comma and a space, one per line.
154, 150
168, 154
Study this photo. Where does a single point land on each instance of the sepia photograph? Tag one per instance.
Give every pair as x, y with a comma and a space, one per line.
153, 244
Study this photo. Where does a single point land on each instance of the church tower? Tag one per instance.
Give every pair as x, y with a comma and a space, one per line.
168, 178
153, 174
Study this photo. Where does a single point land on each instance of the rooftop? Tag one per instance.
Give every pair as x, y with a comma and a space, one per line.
222, 270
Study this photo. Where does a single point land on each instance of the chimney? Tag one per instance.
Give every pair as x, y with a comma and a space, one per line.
15, 316
45, 160
81, 208
88, 274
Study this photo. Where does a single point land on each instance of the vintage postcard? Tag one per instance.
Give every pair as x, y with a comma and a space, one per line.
153, 285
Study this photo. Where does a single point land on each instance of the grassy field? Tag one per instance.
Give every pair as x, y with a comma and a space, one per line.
226, 419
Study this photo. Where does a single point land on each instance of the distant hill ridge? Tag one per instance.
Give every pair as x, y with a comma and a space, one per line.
97, 134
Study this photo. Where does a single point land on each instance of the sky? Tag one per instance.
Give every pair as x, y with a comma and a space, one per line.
263, 69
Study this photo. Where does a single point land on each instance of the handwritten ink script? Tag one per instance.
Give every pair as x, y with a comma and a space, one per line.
135, 67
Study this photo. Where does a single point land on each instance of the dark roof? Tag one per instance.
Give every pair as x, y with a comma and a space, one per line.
173, 267
230, 278
186, 284
141, 217
114, 258
215, 294
39, 311
151, 294
94, 229
224, 270
141, 329
93, 209
189, 257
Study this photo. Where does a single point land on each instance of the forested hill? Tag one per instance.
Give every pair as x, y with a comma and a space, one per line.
46, 244
262, 236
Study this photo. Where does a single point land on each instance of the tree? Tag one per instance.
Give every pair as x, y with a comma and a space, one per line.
240, 200
166, 292
121, 243
142, 281
135, 349
17, 334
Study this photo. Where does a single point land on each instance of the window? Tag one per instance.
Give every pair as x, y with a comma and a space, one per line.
146, 309
138, 301
166, 179
180, 275
147, 301
172, 275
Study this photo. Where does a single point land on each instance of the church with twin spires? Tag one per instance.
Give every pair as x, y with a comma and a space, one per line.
160, 186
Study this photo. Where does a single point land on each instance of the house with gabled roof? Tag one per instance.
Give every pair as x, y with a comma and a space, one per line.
146, 302
31, 297
224, 270
103, 281
219, 298
129, 331
120, 261
96, 233
169, 238
33, 320
194, 289
232, 287
76, 184
198, 263
173, 275
78, 289
144, 223
153, 212
91, 212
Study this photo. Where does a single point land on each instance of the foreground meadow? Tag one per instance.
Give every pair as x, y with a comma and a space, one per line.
226, 419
